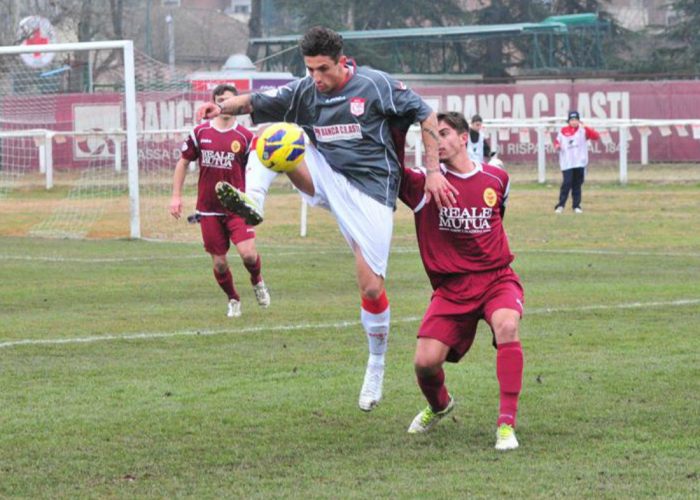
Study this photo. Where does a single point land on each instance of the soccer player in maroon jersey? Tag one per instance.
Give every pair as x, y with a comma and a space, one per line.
222, 147
466, 255
355, 118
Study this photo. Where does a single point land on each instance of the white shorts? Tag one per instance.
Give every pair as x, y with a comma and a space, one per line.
365, 223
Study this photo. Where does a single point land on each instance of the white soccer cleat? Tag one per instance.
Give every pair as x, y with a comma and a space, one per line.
427, 419
262, 294
578, 210
371, 392
234, 308
505, 438
559, 210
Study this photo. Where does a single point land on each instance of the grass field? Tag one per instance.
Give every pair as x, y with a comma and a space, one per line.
121, 376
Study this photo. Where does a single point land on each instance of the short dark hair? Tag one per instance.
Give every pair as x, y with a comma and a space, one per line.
221, 88
455, 120
321, 41
477, 119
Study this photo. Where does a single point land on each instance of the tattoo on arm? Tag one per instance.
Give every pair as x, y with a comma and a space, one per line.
431, 132
430, 143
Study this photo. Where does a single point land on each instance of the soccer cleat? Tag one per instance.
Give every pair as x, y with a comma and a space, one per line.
559, 210
262, 294
236, 201
427, 419
505, 438
578, 210
234, 308
371, 392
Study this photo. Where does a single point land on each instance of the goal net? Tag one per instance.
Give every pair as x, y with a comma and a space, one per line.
67, 167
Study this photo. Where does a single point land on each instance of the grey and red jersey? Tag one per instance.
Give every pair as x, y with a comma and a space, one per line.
223, 156
354, 127
468, 238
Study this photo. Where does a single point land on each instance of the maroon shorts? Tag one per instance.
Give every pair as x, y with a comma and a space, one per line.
452, 319
219, 230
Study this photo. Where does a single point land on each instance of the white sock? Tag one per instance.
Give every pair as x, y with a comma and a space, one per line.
377, 331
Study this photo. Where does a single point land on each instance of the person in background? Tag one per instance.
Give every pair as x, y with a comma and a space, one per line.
477, 145
572, 144
222, 147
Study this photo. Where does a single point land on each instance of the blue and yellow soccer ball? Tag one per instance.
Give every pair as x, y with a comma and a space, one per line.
281, 147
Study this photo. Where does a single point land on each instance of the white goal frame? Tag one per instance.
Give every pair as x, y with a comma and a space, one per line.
127, 48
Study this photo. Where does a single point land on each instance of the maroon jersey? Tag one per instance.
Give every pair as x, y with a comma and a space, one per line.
468, 238
222, 155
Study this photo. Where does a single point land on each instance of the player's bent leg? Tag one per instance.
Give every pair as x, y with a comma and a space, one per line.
429, 358
253, 263
302, 180
375, 315
258, 179
509, 371
236, 201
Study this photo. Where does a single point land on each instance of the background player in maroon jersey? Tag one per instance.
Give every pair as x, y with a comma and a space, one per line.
356, 118
466, 255
222, 147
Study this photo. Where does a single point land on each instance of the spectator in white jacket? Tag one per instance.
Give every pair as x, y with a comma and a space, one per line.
572, 144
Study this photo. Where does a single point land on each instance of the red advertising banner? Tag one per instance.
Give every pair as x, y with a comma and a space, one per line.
157, 111
594, 100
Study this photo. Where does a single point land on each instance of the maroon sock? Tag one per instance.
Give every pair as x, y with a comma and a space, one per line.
254, 270
225, 281
509, 370
434, 390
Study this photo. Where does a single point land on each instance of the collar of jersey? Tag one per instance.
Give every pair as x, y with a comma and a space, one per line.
233, 127
352, 66
569, 130
477, 168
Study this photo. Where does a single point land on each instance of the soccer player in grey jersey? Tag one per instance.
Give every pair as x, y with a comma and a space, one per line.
356, 119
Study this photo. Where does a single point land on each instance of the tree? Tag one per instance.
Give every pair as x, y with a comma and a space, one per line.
361, 15
354, 15
683, 36
254, 26
495, 56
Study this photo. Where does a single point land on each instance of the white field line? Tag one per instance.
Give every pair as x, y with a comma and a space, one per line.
333, 325
271, 253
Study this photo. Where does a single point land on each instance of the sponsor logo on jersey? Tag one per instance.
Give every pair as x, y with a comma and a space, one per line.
338, 98
184, 146
490, 197
472, 220
341, 132
205, 141
235, 146
357, 106
217, 159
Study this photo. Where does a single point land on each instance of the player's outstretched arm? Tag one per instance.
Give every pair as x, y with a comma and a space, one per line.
435, 184
178, 182
236, 105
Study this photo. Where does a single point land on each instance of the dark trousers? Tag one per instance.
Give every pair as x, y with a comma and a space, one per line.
572, 181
